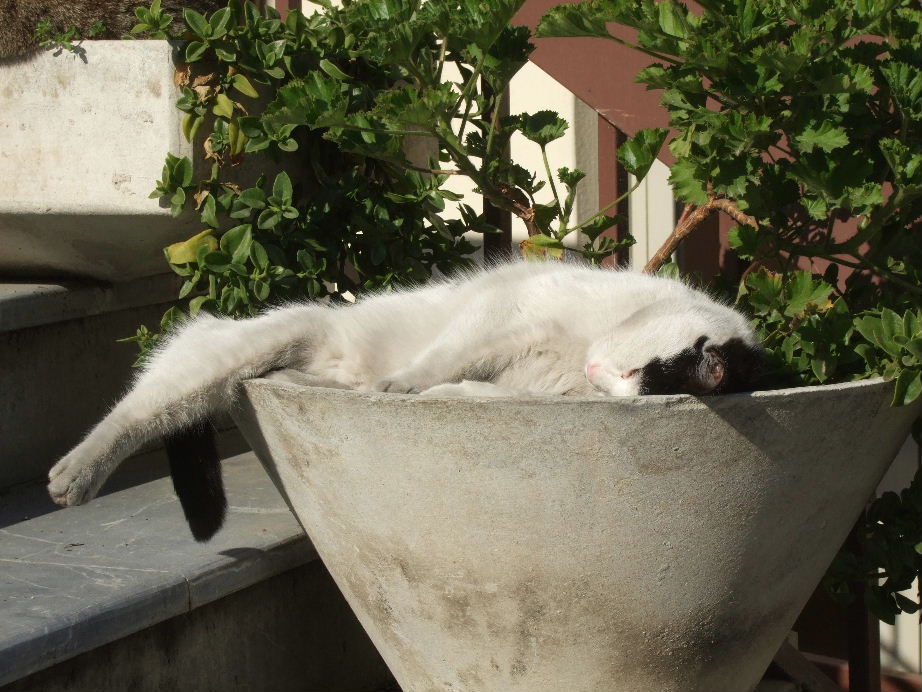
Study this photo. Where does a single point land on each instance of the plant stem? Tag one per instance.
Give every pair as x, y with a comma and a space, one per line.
608, 207
550, 177
442, 50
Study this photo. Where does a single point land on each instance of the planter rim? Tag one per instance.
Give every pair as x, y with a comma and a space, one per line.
558, 400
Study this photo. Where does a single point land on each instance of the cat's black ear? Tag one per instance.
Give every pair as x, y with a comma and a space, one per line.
710, 373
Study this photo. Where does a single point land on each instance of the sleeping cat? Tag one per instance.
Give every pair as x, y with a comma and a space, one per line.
19, 18
531, 328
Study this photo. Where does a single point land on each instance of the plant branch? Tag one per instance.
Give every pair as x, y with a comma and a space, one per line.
691, 218
608, 207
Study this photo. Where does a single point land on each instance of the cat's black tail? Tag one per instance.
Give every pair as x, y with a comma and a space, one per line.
196, 472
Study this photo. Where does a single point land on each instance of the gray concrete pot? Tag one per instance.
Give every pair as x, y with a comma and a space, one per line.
637, 543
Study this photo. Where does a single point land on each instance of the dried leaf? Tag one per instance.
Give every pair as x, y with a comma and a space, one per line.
205, 79
199, 198
209, 150
182, 74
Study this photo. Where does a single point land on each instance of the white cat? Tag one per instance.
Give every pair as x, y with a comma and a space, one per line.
519, 328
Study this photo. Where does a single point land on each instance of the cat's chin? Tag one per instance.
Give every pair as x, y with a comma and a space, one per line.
608, 383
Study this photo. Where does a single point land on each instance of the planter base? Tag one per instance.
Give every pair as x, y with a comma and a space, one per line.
636, 543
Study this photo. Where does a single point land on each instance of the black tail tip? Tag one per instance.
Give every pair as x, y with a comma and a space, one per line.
205, 526
196, 471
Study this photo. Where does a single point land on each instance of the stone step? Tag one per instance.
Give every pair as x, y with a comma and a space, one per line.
61, 366
76, 579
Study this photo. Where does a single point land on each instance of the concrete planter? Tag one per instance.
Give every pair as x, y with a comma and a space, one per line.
638, 543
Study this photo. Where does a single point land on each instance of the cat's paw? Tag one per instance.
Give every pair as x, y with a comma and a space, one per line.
73, 483
396, 385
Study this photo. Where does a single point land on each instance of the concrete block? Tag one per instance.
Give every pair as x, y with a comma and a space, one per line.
558, 543
82, 144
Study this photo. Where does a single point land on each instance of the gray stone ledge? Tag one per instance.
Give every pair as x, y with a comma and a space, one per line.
29, 303
75, 579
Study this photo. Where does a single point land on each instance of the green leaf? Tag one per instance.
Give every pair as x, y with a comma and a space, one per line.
177, 201
182, 173
763, 290
187, 250
197, 304
908, 387
543, 127
639, 152
570, 178
805, 290
597, 226
209, 212
217, 261
259, 256
745, 240
281, 188
223, 107
219, 22
243, 85
197, 23
825, 137
190, 126
580, 19
333, 71
672, 18
237, 242
268, 219
195, 50
688, 185
253, 197
261, 289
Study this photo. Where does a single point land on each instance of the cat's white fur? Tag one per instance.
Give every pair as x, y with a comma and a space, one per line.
527, 327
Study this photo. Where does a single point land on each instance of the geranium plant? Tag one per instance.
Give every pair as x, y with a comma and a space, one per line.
803, 121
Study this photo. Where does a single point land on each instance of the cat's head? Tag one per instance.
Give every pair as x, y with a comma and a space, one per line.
702, 352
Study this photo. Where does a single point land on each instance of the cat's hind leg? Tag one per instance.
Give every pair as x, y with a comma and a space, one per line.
194, 375
306, 379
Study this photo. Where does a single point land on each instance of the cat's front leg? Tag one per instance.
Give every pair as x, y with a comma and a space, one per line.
79, 475
406, 381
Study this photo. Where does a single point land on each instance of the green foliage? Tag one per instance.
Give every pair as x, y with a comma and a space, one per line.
888, 555
49, 38
805, 115
153, 22
334, 99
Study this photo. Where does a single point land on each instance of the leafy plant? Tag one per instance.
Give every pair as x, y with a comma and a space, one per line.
49, 38
802, 121
153, 22
335, 101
